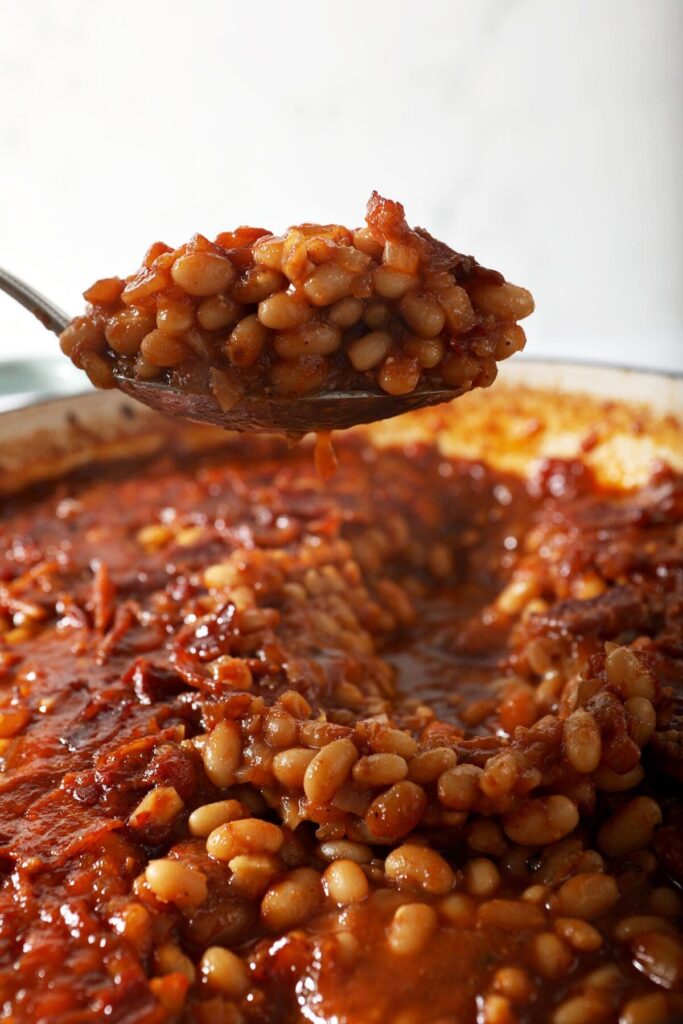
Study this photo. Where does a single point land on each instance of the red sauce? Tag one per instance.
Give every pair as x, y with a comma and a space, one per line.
466, 607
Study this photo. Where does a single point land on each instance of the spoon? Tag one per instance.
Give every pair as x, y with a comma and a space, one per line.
330, 410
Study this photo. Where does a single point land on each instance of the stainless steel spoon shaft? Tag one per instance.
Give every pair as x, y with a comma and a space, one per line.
50, 316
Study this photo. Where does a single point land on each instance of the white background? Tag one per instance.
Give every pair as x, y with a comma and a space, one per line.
543, 136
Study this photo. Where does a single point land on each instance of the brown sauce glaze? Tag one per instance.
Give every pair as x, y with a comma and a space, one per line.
484, 673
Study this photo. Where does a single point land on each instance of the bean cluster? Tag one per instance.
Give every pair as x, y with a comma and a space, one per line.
318, 308
268, 818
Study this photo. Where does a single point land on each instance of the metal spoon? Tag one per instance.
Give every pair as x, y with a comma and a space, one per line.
330, 410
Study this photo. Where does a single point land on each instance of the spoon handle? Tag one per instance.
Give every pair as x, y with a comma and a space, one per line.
50, 316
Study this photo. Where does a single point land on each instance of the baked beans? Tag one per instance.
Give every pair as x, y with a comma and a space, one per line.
254, 308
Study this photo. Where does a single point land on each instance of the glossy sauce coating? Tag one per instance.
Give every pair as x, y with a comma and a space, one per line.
382, 309
399, 747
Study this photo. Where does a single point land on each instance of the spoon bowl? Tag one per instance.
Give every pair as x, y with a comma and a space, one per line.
328, 410
331, 410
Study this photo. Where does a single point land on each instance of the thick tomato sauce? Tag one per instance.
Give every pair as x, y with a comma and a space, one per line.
466, 608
